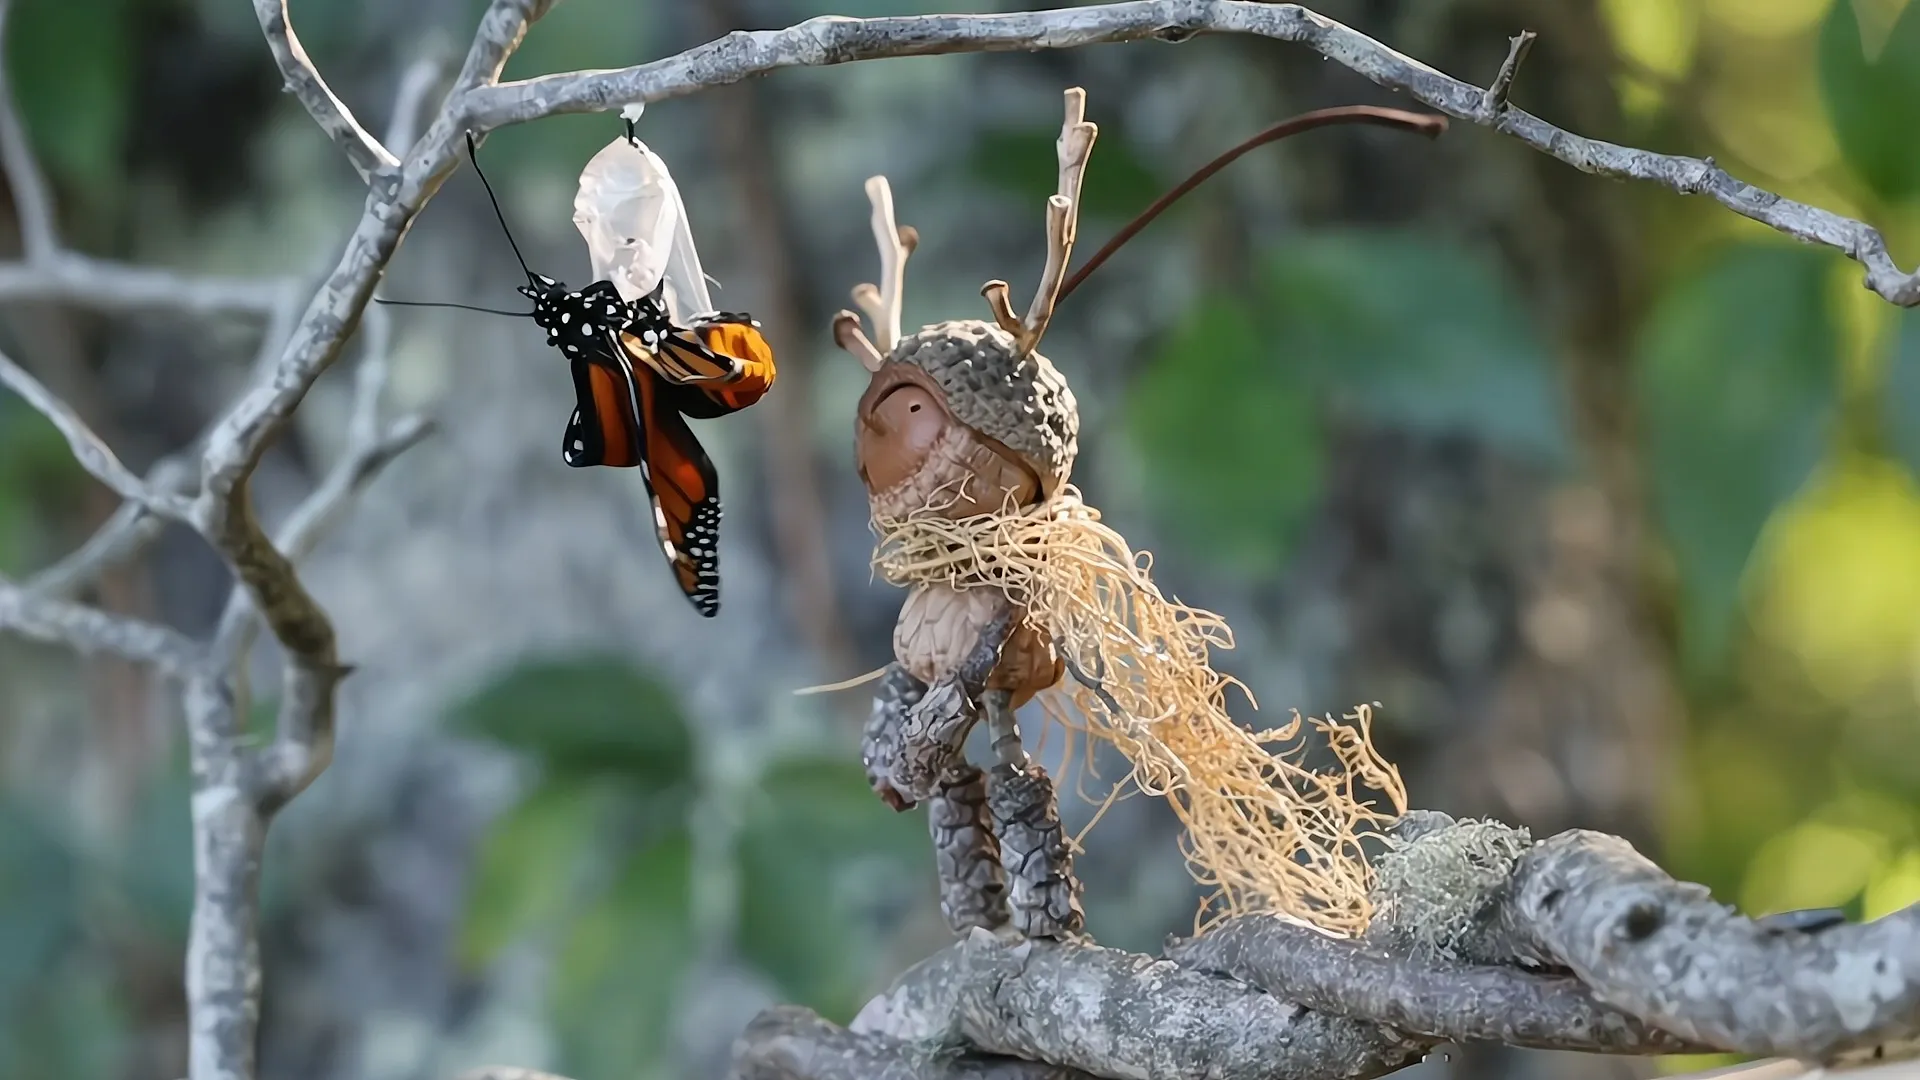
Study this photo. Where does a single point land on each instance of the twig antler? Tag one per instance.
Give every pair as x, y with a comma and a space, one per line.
1074, 146
880, 302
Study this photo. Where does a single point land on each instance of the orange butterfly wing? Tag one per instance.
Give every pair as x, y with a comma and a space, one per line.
685, 489
714, 369
602, 431
621, 420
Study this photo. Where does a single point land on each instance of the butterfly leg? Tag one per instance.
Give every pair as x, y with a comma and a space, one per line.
1043, 895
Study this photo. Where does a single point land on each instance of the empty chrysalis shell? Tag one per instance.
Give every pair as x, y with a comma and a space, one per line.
630, 213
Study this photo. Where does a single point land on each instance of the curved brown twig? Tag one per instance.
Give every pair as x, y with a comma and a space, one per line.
1427, 124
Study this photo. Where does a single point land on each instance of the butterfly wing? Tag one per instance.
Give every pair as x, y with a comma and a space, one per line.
602, 430
685, 489
621, 421
717, 368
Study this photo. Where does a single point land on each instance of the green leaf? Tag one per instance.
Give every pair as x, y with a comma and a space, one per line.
1737, 376
820, 860
1902, 397
1229, 439
1025, 162
527, 867
1875, 105
587, 717
621, 968
1416, 332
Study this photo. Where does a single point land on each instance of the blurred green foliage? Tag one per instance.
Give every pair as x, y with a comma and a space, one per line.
1395, 328
1875, 103
1738, 377
73, 62
600, 862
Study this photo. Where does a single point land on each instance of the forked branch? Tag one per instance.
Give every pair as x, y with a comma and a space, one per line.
1063, 223
883, 303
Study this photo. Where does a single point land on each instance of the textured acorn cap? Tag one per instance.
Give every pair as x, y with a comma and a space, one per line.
1020, 401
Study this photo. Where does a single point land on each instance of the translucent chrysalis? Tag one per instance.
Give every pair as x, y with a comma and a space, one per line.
629, 211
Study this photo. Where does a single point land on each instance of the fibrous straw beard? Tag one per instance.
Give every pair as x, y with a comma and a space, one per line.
1267, 832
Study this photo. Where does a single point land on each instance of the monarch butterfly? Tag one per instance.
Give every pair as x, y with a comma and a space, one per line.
647, 350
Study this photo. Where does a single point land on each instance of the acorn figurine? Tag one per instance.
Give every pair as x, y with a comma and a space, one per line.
965, 440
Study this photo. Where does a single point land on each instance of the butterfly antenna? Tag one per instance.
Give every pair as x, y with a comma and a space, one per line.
475, 158
1419, 123
461, 307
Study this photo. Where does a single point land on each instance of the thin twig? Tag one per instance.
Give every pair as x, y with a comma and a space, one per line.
131, 527
1430, 126
837, 40
88, 449
91, 631
848, 335
304, 82
883, 304
1517, 49
32, 205
104, 285
1073, 148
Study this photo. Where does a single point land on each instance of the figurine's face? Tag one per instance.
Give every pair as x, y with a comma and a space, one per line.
913, 453
897, 430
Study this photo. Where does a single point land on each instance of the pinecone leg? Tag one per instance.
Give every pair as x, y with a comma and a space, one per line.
973, 891
1043, 896
933, 732
880, 744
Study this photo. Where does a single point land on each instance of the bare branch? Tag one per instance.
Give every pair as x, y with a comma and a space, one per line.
30, 200
88, 449
1118, 1014
1517, 49
403, 128
1443, 1001
1000, 302
1063, 214
837, 40
848, 335
882, 304
1642, 939
130, 528
791, 1043
115, 287
304, 743
91, 631
304, 82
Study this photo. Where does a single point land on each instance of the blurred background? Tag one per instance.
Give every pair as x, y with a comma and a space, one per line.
1606, 496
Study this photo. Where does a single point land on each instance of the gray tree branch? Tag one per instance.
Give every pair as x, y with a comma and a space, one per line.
1666, 951
1121, 1015
91, 632
837, 40
304, 82
1443, 1000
